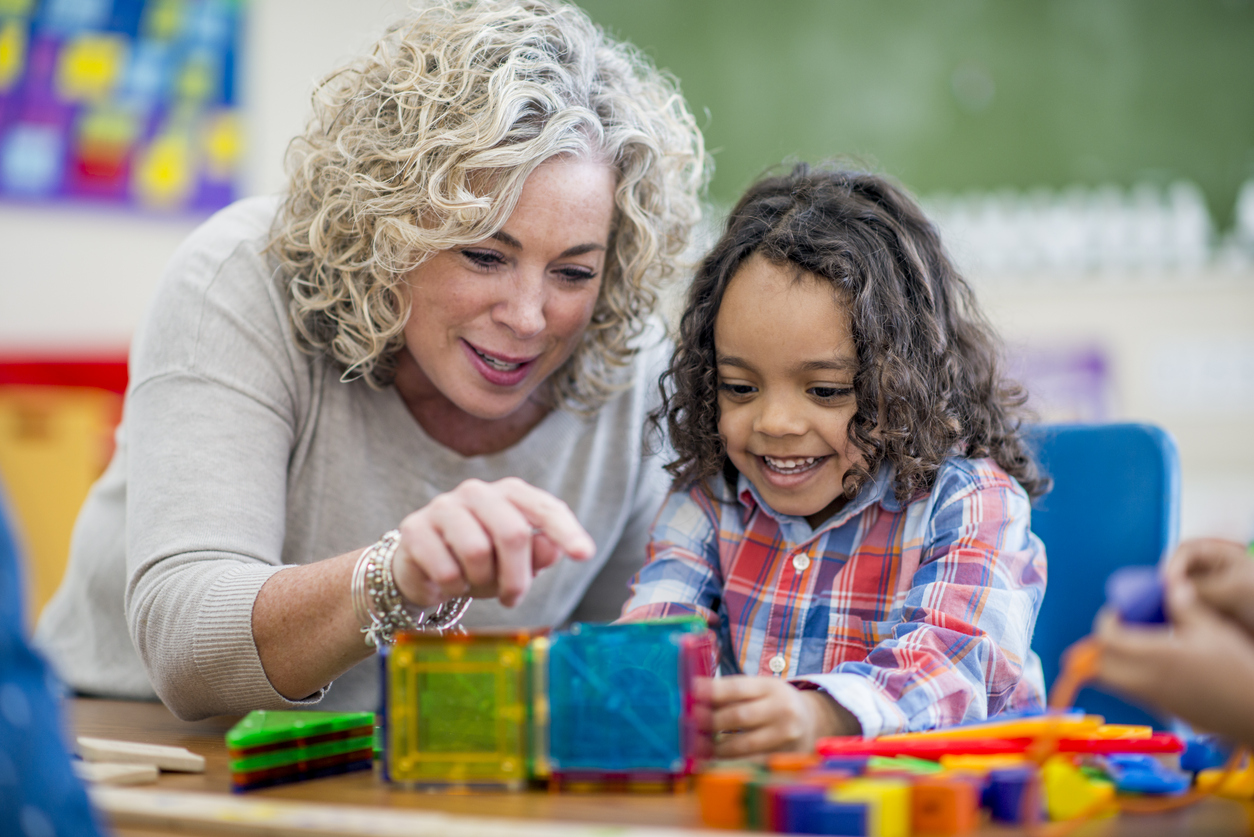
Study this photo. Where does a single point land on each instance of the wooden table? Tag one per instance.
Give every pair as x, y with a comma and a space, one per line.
489, 814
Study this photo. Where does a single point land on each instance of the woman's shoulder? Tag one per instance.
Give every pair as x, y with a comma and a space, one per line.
220, 305
637, 391
245, 224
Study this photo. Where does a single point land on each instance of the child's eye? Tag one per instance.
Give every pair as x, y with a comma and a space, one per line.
830, 393
483, 258
737, 389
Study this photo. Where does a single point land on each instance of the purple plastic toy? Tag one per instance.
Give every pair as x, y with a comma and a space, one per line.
1136, 593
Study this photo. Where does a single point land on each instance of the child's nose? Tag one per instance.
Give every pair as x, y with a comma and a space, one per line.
780, 417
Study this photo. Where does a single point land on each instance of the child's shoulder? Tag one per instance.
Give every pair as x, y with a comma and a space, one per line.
960, 475
709, 498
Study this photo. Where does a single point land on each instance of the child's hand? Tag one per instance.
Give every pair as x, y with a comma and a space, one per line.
1222, 573
758, 715
1200, 668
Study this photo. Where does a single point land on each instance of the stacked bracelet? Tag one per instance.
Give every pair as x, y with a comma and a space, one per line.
381, 609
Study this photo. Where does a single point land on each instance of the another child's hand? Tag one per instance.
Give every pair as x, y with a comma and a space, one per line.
1200, 668
1222, 573
757, 715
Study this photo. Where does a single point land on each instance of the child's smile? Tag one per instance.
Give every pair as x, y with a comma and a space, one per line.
786, 361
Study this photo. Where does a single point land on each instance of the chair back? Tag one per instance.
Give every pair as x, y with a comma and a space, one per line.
1115, 502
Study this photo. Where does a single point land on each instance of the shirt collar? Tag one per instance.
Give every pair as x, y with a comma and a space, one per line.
879, 489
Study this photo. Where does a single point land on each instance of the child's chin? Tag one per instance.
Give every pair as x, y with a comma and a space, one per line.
794, 506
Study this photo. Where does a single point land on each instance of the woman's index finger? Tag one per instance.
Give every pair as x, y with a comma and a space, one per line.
552, 517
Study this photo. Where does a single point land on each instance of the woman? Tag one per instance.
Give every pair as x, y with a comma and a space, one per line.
443, 328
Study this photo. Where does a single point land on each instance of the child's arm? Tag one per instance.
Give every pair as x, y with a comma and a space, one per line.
681, 574
1201, 666
961, 649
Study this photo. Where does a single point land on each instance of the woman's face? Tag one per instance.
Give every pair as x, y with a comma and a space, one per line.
489, 322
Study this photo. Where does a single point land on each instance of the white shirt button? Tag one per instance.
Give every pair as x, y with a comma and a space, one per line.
801, 562
778, 663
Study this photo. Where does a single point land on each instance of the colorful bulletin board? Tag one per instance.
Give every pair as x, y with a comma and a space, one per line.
128, 102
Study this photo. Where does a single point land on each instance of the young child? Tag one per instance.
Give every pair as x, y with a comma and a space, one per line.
851, 505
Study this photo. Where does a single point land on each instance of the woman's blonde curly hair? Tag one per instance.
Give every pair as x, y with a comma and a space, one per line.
424, 145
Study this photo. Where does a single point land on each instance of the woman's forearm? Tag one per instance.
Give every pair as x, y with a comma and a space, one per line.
304, 626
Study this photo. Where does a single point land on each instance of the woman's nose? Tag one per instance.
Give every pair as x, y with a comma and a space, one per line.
522, 308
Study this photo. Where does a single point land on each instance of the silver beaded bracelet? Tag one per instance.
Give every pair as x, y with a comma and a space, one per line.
381, 609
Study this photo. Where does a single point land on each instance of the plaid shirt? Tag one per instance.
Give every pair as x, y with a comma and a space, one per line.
911, 616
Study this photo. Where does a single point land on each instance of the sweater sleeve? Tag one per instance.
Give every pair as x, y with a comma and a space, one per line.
211, 420
962, 647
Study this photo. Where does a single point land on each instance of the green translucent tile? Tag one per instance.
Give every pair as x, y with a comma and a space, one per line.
262, 726
456, 710
459, 709
691, 623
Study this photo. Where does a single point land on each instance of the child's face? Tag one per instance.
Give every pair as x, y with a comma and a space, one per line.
786, 361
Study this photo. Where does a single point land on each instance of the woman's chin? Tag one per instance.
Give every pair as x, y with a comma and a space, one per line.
488, 403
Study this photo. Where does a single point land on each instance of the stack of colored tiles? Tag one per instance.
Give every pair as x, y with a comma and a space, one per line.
274, 748
595, 707
937, 783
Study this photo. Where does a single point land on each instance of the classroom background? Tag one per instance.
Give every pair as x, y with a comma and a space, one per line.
1090, 163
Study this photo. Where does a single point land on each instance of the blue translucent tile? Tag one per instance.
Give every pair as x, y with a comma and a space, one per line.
616, 698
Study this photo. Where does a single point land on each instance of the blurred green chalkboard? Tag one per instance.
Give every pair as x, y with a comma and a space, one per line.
964, 94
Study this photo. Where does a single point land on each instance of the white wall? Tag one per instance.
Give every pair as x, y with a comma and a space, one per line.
1181, 349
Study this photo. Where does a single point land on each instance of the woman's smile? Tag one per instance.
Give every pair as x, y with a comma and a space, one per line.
500, 370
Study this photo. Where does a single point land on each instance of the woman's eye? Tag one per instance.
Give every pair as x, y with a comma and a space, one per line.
576, 274
737, 389
483, 258
830, 393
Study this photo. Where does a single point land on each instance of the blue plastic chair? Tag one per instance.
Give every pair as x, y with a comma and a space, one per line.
1115, 502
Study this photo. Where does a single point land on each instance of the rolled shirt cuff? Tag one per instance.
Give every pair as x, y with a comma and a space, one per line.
877, 715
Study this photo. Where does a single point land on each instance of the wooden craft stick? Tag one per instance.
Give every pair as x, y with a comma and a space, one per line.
134, 752
111, 773
178, 812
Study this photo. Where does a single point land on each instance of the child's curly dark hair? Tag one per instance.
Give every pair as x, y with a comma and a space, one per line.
928, 383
